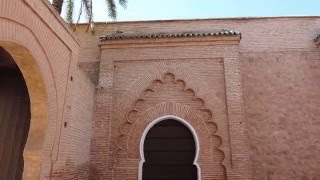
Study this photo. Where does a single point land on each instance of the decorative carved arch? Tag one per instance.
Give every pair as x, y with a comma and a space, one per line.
180, 70
125, 129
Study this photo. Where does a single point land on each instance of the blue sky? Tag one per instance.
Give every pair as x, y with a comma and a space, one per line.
197, 9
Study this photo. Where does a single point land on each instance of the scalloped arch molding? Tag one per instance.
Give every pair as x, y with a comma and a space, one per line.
170, 96
199, 83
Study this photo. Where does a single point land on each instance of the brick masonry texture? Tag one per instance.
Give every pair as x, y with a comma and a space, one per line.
76, 137
282, 110
166, 94
254, 103
193, 88
61, 95
279, 65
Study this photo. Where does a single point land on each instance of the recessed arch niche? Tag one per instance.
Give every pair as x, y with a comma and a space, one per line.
14, 117
38, 107
178, 100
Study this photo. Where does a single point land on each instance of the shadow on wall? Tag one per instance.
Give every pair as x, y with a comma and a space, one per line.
15, 117
22, 59
73, 171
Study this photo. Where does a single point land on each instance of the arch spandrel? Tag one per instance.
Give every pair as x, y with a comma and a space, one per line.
196, 81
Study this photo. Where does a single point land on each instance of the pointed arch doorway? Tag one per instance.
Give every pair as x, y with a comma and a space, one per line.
23, 113
15, 117
169, 150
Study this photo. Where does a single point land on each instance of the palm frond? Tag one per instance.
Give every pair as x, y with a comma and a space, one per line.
88, 9
123, 3
86, 6
111, 8
70, 10
79, 16
57, 4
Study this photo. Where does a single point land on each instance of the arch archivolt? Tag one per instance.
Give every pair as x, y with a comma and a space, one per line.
34, 64
170, 95
204, 129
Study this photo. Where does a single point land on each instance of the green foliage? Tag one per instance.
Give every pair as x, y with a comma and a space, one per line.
86, 6
111, 8
69, 15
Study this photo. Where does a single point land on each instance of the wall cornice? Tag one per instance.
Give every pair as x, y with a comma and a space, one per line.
222, 37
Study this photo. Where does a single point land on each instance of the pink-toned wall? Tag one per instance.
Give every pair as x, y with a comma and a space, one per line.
279, 65
76, 136
61, 96
282, 98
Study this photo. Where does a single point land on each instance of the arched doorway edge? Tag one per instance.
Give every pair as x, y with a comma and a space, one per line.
154, 122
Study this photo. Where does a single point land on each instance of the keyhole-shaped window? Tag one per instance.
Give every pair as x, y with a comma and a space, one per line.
169, 151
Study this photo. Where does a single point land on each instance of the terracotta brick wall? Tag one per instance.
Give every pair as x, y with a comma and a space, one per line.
187, 84
76, 135
167, 92
89, 56
46, 52
281, 93
258, 34
280, 80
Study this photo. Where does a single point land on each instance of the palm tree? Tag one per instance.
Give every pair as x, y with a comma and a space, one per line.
57, 4
86, 5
